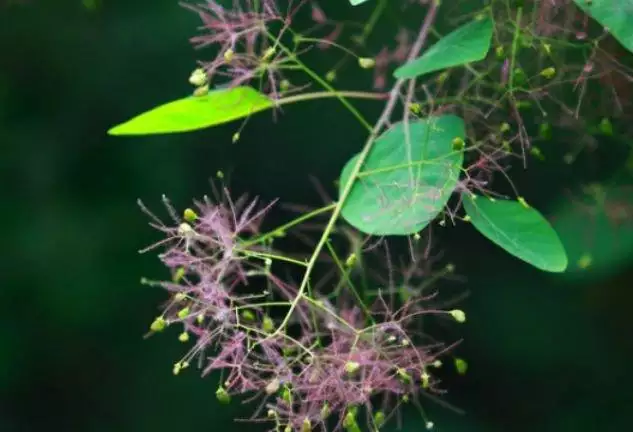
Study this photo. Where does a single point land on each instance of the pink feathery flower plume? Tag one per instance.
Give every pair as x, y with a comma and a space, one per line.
331, 362
245, 35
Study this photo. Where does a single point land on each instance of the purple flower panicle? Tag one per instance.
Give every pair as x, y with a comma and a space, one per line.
334, 366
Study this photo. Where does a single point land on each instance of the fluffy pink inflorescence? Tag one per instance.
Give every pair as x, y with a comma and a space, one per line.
333, 362
240, 34
247, 35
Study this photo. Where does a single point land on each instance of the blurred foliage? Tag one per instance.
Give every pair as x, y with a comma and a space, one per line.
545, 352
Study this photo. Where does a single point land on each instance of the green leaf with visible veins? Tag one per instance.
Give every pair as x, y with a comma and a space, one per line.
519, 229
407, 177
196, 112
467, 44
616, 15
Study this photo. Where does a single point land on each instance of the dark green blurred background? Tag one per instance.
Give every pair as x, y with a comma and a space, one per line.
546, 352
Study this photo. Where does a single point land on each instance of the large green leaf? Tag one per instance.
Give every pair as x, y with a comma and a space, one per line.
467, 44
196, 112
616, 15
519, 229
405, 180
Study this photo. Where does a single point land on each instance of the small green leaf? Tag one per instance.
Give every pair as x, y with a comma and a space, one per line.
519, 229
196, 112
467, 44
357, 2
405, 181
615, 15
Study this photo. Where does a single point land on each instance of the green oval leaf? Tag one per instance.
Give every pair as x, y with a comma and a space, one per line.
405, 182
196, 112
616, 15
519, 229
467, 44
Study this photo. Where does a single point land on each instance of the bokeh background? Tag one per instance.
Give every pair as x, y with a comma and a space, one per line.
546, 352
